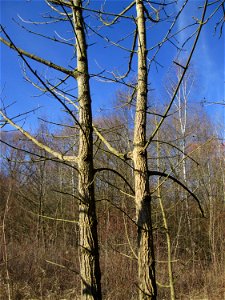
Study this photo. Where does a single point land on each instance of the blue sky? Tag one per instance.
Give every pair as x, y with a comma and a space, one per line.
208, 60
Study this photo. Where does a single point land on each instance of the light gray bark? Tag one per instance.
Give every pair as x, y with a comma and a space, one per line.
146, 260
89, 253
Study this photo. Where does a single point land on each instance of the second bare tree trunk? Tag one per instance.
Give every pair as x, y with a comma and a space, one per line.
146, 260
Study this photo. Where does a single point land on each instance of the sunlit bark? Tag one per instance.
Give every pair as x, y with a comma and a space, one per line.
89, 255
146, 260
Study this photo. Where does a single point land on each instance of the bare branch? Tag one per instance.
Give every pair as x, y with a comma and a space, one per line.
48, 63
172, 145
54, 153
54, 39
118, 16
110, 148
162, 174
201, 23
118, 174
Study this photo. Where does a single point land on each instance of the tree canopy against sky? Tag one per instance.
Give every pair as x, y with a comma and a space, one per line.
207, 63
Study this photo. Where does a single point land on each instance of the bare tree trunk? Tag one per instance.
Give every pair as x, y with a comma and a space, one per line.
89, 253
4, 242
146, 260
167, 232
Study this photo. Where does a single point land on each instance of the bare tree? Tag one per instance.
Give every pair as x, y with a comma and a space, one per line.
89, 253
146, 259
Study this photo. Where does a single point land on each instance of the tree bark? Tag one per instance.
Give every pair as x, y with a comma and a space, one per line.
146, 260
89, 252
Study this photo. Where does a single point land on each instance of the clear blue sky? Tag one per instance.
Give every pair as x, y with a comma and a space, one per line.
208, 60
